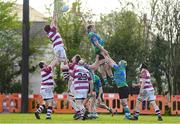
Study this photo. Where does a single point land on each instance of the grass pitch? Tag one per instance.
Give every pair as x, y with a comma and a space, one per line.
103, 119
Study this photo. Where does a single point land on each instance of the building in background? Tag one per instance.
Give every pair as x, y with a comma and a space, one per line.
37, 23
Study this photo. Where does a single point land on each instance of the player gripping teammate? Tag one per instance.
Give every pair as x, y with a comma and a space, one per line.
98, 90
146, 92
46, 90
66, 70
120, 81
82, 84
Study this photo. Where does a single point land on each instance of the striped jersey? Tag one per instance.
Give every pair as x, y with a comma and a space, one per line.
145, 78
55, 37
81, 78
47, 78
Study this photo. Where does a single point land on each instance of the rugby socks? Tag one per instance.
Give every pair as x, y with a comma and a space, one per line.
112, 78
74, 105
158, 113
40, 109
105, 80
49, 112
126, 111
136, 114
156, 108
66, 74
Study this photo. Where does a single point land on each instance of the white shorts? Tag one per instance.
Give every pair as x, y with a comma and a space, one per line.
81, 94
147, 95
72, 89
60, 53
47, 93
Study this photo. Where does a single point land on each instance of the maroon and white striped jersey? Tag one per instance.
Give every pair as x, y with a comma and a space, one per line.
47, 78
145, 78
55, 37
81, 78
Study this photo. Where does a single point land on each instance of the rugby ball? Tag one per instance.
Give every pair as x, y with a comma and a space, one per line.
64, 8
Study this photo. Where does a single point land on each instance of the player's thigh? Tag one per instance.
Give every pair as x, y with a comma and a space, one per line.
142, 97
72, 89
47, 93
123, 92
49, 102
151, 96
81, 94
61, 54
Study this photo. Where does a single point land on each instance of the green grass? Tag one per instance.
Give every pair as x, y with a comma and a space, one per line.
103, 119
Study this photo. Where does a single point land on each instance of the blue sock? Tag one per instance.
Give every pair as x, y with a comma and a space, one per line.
126, 111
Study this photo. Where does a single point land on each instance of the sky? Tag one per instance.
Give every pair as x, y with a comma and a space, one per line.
97, 6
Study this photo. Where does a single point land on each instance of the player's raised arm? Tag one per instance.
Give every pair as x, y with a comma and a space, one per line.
100, 47
54, 20
95, 65
110, 61
54, 63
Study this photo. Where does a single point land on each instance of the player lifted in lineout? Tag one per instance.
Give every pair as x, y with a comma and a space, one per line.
82, 84
46, 89
56, 39
98, 44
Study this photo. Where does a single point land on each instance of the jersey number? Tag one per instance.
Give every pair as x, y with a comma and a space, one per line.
82, 76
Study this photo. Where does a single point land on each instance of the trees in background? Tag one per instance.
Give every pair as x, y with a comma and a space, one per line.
166, 23
123, 33
10, 49
10, 46
153, 39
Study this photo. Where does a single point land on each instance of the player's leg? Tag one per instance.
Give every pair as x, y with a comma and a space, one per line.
151, 99
40, 110
49, 103
60, 56
65, 71
72, 100
102, 70
109, 71
126, 108
81, 111
92, 108
123, 95
137, 109
107, 67
101, 104
103, 74
43, 106
80, 95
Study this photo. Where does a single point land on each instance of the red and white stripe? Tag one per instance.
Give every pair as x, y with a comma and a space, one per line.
145, 78
81, 78
47, 78
55, 37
